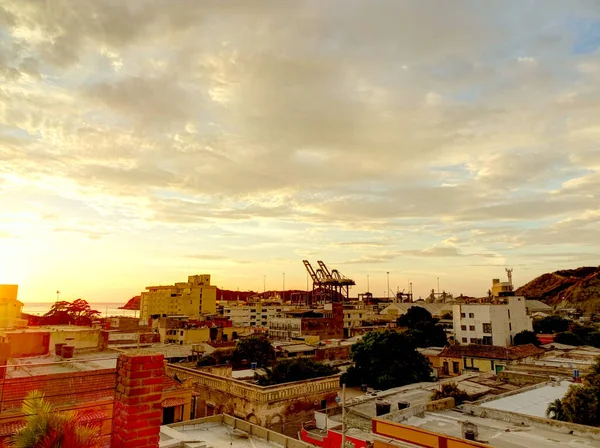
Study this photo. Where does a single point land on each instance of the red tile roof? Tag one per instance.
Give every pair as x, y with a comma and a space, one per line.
491, 351
8, 429
172, 402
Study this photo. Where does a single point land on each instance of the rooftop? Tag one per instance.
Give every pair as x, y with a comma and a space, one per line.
51, 364
530, 402
223, 431
491, 351
498, 433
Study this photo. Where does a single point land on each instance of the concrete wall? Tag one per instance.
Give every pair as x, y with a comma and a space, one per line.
82, 337
282, 407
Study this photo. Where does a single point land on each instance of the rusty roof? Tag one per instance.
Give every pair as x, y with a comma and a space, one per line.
491, 351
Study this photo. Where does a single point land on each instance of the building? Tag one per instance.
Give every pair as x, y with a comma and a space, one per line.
193, 298
455, 359
281, 408
221, 431
490, 324
252, 315
10, 307
435, 309
298, 323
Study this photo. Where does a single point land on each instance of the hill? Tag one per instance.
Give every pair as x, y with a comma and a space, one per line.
580, 287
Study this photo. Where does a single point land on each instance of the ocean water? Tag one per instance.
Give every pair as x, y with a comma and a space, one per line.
105, 309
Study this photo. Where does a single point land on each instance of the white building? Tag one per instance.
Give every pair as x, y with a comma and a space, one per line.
489, 323
252, 315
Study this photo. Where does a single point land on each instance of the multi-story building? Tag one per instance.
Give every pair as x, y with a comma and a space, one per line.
252, 315
491, 324
323, 323
10, 307
193, 298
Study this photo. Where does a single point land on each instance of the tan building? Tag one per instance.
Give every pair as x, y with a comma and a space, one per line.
282, 407
10, 307
193, 298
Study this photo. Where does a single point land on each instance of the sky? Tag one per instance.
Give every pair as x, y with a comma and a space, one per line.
145, 141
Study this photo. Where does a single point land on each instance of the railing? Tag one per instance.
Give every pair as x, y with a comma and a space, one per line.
253, 392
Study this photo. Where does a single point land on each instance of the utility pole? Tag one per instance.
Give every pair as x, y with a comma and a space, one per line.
343, 415
388, 286
368, 288
264, 285
283, 288
438, 279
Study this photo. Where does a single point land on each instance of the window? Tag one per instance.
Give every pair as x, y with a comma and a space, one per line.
463, 327
487, 340
464, 340
508, 313
487, 328
471, 327
509, 326
471, 315
455, 367
463, 315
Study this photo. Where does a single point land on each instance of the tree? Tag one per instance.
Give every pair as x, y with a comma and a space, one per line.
295, 369
526, 337
256, 349
386, 359
428, 335
580, 405
78, 312
47, 428
551, 324
568, 338
555, 411
414, 316
451, 390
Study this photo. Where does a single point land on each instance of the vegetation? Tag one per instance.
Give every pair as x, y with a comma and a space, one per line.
451, 390
555, 411
526, 337
581, 404
78, 312
422, 328
568, 338
294, 369
47, 428
386, 359
256, 349
551, 324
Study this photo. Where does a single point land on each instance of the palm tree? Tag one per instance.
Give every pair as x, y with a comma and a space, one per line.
47, 428
555, 410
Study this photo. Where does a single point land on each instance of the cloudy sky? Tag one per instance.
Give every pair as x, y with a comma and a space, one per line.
143, 141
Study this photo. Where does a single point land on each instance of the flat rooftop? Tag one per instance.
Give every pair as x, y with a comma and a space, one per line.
531, 402
223, 431
498, 433
51, 364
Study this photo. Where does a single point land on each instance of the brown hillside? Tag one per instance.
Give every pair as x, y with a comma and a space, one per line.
580, 286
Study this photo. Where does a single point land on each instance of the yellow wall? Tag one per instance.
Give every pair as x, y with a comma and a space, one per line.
421, 437
200, 335
81, 338
484, 365
450, 361
10, 307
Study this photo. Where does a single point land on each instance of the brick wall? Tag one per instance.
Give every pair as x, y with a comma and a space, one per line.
331, 353
138, 410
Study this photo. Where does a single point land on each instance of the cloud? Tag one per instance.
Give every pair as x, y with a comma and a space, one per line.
317, 127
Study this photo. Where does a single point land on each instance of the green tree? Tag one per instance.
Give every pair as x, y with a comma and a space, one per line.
555, 411
568, 338
256, 349
415, 315
551, 324
451, 390
526, 337
580, 405
78, 312
295, 369
47, 428
386, 359
428, 335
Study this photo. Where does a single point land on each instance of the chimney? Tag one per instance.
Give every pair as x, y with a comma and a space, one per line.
137, 409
